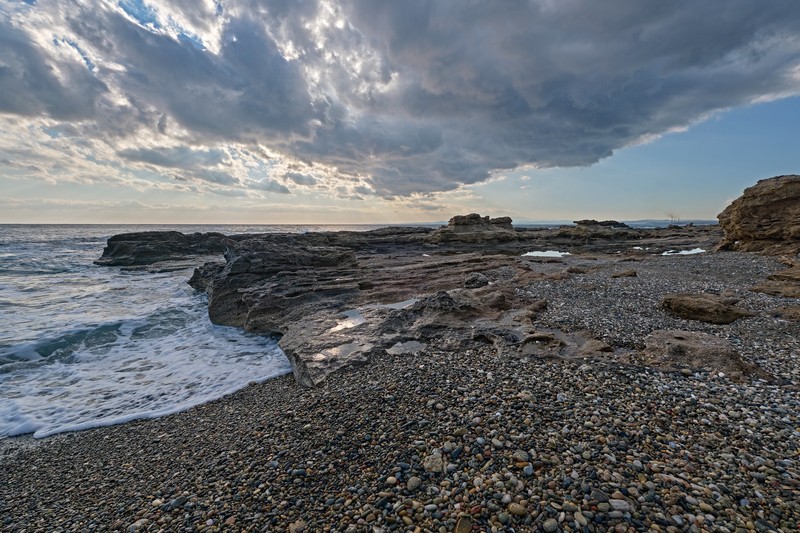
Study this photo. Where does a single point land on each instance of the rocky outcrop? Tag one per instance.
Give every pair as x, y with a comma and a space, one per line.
285, 276
766, 218
687, 350
336, 299
709, 308
602, 223
144, 248
474, 228
784, 283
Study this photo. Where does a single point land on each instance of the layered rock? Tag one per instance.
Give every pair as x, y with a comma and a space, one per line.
474, 228
709, 308
784, 283
336, 299
765, 218
144, 248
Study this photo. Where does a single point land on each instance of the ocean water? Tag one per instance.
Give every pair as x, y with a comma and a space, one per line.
83, 345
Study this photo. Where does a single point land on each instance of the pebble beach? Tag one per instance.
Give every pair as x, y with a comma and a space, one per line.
468, 440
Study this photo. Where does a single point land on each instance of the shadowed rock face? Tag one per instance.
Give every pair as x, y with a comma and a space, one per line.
766, 218
144, 248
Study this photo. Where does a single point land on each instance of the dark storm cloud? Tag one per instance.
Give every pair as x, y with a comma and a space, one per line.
411, 97
246, 91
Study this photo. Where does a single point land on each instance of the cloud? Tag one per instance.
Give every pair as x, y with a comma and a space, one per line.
404, 98
271, 186
178, 157
301, 179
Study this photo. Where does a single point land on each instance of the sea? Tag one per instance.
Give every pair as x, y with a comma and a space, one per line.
83, 345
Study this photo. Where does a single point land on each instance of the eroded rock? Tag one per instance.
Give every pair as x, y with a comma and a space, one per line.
144, 248
709, 308
675, 350
765, 218
474, 228
784, 283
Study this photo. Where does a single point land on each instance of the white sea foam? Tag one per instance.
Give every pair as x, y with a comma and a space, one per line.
144, 368
693, 251
547, 253
83, 346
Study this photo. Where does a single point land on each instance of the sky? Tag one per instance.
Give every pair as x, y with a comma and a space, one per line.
368, 111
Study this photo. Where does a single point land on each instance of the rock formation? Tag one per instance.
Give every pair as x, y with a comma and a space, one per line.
602, 223
683, 350
765, 218
336, 299
784, 283
150, 247
474, 228
704, 307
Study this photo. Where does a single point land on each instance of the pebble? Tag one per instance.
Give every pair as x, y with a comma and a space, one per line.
433, 463
413, 483
463, 525
550, 525
620, 505
517, 509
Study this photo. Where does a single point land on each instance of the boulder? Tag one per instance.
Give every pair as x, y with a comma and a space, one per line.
676, 350
709, 308
475, 280
766, 218
474, 228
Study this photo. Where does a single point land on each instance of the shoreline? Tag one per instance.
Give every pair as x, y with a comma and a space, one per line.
455, 437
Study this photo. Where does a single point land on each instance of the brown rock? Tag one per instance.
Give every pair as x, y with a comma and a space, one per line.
675, 350
766, 218
474, 228
625, 274
593, 346
791, 313
463, 525
703, 307
784, 283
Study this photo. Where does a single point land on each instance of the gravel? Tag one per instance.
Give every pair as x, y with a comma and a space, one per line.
444, 441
